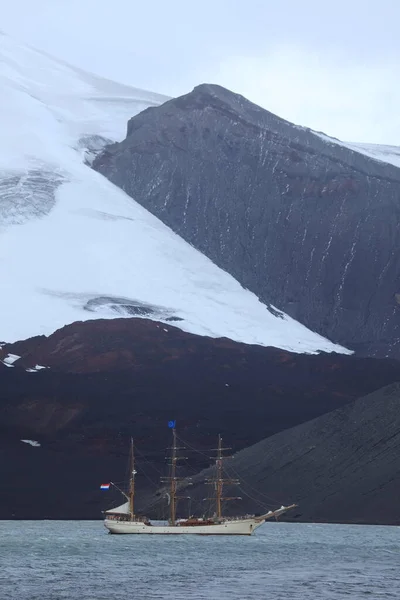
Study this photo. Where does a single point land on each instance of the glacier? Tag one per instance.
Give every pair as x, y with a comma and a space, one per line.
74, 247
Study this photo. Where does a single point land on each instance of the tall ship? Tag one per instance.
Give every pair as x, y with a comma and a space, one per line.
124, 520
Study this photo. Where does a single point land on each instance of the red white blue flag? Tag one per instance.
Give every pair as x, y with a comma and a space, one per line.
105, 486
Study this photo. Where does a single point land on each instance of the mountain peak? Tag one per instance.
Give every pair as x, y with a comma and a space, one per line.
231, 104
214, 91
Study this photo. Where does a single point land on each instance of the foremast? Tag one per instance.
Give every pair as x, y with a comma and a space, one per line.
220, 481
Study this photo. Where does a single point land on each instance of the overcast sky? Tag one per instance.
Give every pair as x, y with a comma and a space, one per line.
333, 66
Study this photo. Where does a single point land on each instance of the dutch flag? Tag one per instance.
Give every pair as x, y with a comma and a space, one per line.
105, 486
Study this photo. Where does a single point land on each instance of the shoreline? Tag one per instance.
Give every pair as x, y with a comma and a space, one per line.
286, 521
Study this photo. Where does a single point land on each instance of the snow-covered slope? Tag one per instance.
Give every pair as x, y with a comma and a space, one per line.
73, 246
386, 154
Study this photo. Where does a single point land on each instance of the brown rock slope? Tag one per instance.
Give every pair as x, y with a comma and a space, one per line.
109, 380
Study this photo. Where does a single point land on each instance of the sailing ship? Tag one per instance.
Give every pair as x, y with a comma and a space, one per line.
124, 520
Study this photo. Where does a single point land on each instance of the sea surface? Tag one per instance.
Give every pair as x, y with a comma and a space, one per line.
78, 560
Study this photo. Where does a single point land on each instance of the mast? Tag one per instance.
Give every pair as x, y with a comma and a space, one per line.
219, 480
172, 517
132, 474
173, 479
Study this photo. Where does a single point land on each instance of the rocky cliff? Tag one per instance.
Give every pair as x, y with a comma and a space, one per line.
107, 380
308, 224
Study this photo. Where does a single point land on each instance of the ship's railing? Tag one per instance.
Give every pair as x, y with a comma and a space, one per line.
124, 518
240, 518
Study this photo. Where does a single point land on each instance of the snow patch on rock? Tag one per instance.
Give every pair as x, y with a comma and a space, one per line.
10, 359
33, 443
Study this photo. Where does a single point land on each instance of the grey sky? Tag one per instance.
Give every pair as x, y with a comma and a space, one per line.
332, 66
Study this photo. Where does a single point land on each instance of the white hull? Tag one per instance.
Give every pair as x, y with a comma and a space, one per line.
228, 527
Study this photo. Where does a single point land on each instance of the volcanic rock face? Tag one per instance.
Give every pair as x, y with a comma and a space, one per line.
343, 466
306, 223
108, 380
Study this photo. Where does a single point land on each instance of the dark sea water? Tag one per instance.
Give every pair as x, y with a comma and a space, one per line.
78, 560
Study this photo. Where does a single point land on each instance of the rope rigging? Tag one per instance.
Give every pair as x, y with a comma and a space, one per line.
230, 470
203, 506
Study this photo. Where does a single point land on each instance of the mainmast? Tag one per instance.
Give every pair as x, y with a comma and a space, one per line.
219, 480
132, 474
173, 479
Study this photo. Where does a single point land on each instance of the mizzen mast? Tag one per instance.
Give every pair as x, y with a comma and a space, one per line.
219, 480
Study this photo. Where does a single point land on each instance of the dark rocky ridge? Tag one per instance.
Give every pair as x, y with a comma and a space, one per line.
112, 379
309, 226
341, 467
